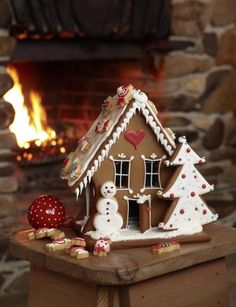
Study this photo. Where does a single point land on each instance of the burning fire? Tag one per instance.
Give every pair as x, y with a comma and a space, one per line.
28, 125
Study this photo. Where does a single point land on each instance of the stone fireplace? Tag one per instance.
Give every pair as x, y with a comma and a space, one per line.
187, 67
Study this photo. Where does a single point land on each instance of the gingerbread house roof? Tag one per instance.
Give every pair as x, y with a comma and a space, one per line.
116, 113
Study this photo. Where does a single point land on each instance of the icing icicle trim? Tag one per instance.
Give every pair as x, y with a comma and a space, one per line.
140, 104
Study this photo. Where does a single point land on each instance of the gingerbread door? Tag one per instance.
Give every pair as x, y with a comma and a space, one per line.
138, 215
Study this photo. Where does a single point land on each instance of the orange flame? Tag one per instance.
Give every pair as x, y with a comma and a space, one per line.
27, 126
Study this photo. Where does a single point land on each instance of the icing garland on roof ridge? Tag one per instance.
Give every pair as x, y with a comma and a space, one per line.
139, 104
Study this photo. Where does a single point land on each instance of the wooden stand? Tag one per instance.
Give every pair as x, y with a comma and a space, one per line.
193, 276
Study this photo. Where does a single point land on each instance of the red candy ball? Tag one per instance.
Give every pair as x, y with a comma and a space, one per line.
46, 211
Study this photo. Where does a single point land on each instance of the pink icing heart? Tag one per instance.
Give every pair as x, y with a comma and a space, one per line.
134, 137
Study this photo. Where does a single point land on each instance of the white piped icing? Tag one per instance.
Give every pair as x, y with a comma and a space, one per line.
141, 105
152, 233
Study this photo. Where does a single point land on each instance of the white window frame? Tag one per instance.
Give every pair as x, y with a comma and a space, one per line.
120, 174
152, 159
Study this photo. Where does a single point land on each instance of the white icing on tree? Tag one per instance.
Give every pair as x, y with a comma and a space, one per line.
107, 221
186, 155
187, 206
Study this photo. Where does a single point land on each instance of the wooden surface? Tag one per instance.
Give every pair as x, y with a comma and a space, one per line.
202, 285
52, 289
126, 266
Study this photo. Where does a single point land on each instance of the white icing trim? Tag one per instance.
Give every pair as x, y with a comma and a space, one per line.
77, 193
87, 195
153, 233
122, 156
114, 167
153, 155
159, 175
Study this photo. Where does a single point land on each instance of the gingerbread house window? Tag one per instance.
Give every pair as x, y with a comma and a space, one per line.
122, 173
152, 174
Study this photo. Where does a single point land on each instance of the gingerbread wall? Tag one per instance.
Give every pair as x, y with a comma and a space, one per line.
147, 147
193, 87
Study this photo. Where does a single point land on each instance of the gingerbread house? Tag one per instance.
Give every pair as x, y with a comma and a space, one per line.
122, 169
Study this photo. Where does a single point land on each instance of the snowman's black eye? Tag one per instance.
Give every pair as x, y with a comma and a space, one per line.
106, 187
112, 187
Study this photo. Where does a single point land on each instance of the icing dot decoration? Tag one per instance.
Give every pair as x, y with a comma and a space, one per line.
183, 176
192, 194
204, 211
196, 208
181, 211
204, 186
188, 150
46, 211
73, 166
172, 196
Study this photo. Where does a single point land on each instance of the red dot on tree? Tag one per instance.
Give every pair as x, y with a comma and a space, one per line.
180, 159
183, 176
195, 176
171, 225
181, 211
196, 208
188, 150
172, 195
204, 186
193, 194
204, 211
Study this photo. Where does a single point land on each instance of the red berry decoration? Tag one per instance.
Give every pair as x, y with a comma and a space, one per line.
203, 186
181, 211
188, 150
46, 211
192, 194
172, 196
183, 176
204, 211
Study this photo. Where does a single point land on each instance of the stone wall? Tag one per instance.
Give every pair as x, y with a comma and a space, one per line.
195, 94
200, 91
13, 273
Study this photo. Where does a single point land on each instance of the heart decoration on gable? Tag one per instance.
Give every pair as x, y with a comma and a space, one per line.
134, 137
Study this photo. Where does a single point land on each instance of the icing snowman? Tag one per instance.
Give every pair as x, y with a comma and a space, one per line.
107, 221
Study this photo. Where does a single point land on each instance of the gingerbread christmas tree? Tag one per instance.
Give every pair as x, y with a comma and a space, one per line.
184, 189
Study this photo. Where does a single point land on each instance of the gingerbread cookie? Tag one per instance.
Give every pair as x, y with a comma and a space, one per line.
77, 252
77, 241
165, 247
58, 245
42, 233
105, 243
57, 235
